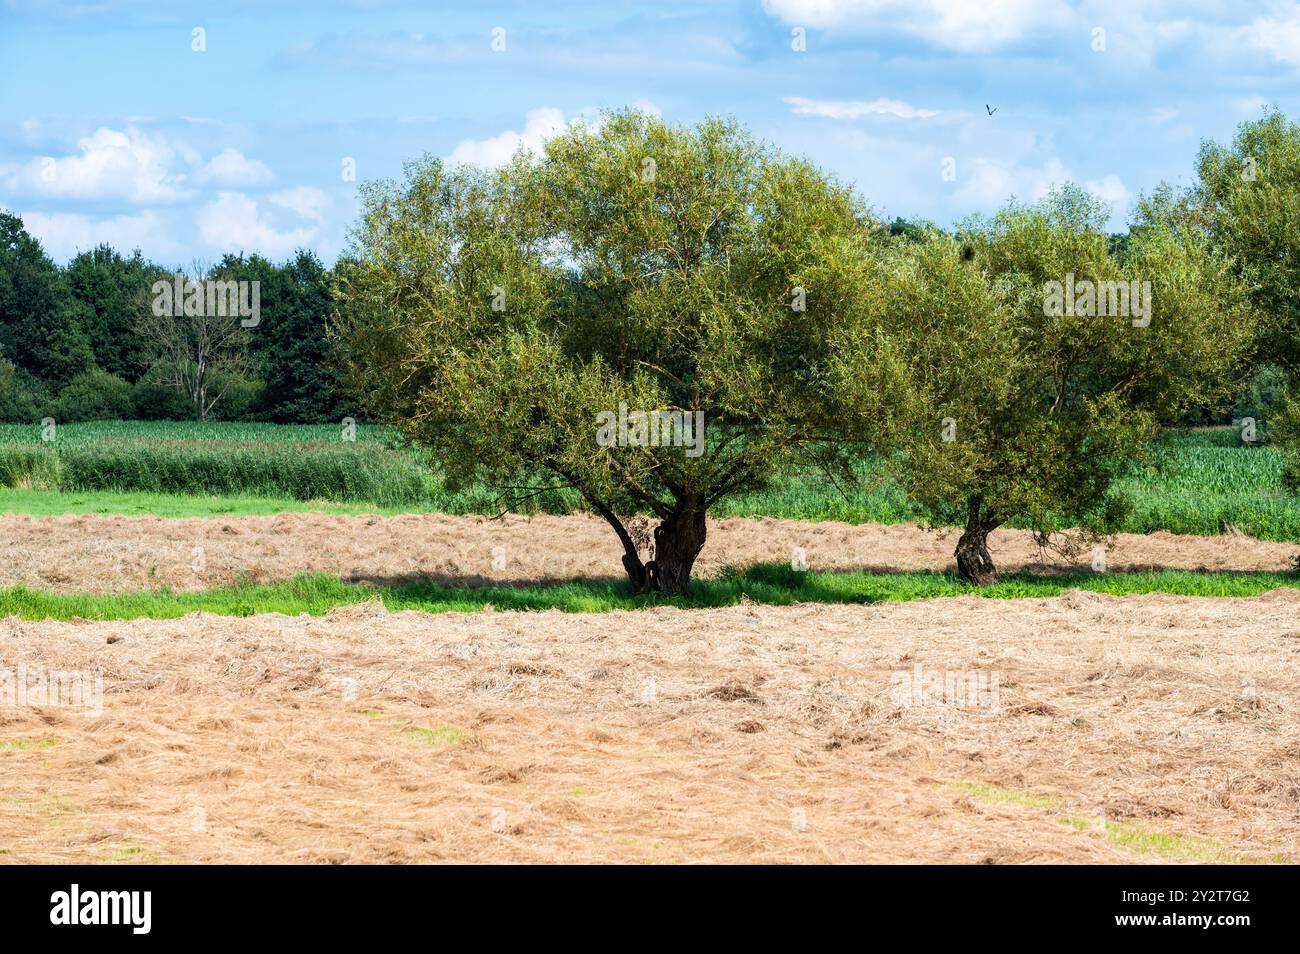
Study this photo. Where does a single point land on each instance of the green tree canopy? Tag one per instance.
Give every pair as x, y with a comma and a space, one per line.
39, 331
501, 318
1247, 198
106, 290
294, 356
1019, 404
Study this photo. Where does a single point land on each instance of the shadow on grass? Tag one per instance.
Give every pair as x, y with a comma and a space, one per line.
769, 584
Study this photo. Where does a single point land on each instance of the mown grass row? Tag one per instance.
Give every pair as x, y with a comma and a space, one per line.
1125, 834
1201, 482
773, 585
54, 503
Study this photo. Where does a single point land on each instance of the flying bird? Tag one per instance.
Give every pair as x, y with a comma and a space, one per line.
991, 111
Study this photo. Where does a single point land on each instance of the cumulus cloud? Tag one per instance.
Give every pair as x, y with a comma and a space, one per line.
64, 234
539, 125
112, 164
952, 24
129, 166
1280, 35
133, 166
230, 167
855, 109
1110, 189
988, 183
233, 221
306, 202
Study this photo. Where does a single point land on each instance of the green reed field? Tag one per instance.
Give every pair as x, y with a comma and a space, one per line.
1202, 482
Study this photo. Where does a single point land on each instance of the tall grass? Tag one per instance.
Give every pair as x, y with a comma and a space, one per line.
306, 471
301, 463
1200, 482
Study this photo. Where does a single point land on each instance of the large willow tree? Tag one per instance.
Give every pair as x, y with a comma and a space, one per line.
499, 317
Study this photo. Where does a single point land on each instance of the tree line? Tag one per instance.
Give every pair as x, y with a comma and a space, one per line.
83, 341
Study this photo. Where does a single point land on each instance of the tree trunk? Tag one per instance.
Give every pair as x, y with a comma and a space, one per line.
637, 574
678, 541
974, 565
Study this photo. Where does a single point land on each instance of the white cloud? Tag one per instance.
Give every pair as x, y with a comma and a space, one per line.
990, 182
953, 24
233, 222
855, 109
230, 167
1280, 36
134, 166
1249, 107
305, 201
112, 164
64, 234
539, 125
1110, 189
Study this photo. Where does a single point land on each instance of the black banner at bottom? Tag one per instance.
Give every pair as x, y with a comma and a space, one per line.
135, 905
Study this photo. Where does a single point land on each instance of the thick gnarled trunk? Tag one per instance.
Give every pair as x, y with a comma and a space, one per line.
677, 543
974, 565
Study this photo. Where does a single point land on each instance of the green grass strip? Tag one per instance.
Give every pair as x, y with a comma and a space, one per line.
54, 503
773, 585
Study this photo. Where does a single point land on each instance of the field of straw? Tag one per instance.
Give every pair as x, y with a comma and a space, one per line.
94, 554
1136, 729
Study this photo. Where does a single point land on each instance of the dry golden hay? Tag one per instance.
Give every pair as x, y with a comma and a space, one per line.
1134, 729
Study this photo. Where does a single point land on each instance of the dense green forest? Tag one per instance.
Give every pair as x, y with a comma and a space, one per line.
72, 348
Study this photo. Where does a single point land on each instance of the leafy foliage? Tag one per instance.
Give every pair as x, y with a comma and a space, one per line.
635, 264
1011, 410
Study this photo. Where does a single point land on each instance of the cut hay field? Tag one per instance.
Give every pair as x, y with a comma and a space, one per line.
303, 660
1119, 730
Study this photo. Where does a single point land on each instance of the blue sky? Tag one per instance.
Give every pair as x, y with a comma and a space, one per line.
114, 128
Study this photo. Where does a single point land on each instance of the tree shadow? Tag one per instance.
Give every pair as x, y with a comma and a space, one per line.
780, 584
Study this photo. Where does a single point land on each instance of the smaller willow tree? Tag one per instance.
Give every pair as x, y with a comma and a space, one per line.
1031, 368
1247, 195
648, 314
